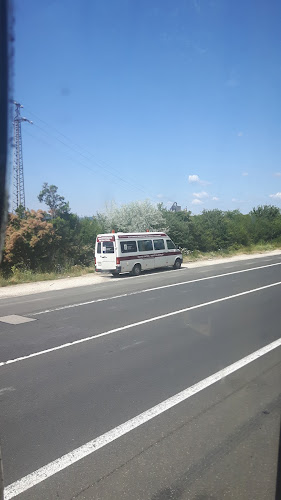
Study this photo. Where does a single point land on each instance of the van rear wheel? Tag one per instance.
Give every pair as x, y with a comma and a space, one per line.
177, 264
136, 270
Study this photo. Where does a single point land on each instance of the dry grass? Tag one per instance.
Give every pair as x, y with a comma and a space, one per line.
27, 276
230, 252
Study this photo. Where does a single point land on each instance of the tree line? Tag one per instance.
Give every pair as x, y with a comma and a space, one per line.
57, 239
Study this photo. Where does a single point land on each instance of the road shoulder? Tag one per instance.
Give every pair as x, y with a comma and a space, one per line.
95, 279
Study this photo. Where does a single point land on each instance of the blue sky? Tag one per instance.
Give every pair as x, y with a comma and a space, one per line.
167, 100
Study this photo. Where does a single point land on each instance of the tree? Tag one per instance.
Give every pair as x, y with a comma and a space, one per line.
57, 204
89, 228
135, 216
239, 228
266, 221
266, 212
20, 211
29, 241
179, 227
71, 249
210, 230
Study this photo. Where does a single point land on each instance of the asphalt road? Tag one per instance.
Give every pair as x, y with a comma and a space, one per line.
138, 342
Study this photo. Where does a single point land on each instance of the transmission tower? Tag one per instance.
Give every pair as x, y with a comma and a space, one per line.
18, 179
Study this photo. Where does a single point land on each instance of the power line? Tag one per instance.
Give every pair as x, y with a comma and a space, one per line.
96, 162
74, 160
71, 141
100, 163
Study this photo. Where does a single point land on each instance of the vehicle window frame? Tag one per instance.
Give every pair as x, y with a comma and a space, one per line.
163, 242
173, 247
122, 243
108, 244
147, 249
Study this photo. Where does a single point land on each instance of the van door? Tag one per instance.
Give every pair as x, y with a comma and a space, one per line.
146, 254
105, 253
172, 252
161, 260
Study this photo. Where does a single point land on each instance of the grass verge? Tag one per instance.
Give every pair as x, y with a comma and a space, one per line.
27, 276
231, 252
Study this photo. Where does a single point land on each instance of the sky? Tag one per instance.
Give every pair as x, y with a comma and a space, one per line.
150, 99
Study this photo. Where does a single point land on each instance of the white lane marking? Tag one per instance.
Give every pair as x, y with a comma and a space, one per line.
133, 325
15, 319
129, 346
6, 389
65, 461
70, 306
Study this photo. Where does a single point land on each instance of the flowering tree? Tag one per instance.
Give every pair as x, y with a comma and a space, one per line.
134, 216
30, 240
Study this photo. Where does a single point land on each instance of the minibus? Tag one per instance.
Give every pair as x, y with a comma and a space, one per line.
135, 252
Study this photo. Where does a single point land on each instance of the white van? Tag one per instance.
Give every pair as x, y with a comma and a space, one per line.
135, 252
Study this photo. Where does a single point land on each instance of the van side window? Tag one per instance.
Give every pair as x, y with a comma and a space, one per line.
158, 244
128, 246
107, 247
99, 247
145, 245
170, 245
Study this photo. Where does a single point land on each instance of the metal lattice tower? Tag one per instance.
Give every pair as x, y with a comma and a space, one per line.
18, 179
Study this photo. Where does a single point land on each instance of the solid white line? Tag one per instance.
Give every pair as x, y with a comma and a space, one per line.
70, 306
6, 389
133, 325
65, 461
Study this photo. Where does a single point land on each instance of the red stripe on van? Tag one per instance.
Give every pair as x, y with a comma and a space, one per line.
149, 256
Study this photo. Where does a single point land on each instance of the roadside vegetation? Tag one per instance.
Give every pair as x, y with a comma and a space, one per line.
43, 245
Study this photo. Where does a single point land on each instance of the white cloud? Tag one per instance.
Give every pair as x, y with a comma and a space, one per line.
236, 200
277, 174
201, 195
245, 174
193, 178
240, 134
196, 202
276, 196
159, 195
215, 198
196, 178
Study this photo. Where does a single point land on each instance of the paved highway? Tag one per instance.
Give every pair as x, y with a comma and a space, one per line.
165, 386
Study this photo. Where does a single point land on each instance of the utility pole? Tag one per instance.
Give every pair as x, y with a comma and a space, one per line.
18, 179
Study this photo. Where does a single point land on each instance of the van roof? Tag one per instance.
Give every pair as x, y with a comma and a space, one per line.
147, 233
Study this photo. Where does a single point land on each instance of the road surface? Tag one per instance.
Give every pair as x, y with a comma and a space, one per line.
164, 386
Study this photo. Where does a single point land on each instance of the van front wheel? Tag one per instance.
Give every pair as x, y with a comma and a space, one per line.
136, 270
177, 264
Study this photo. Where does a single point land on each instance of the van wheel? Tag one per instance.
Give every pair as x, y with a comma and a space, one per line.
177, 264
136, 270
115, 273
